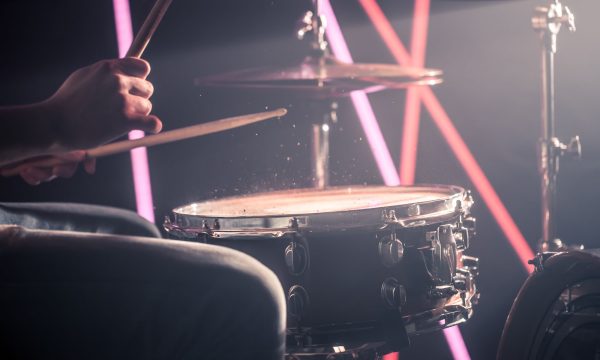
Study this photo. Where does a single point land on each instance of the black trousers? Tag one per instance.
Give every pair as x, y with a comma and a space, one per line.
78, 295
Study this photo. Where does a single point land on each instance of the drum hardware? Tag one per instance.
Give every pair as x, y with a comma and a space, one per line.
205, 226
296, 258
461, 280
298, 302
442, 292
464, 231
539, 260
547, 21
296, 254
442, 260
414, 210
391, 250
430, 321
393, 294
389, 216
470, 264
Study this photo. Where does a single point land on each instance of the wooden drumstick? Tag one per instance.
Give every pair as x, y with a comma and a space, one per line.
184, 133
151, 140
142, 38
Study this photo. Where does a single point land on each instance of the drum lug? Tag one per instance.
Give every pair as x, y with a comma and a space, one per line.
393, 294
391, 250
298, 302
442, 264
296, 258
296, 253
463, 231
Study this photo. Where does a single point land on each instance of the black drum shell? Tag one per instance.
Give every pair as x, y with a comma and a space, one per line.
344, 275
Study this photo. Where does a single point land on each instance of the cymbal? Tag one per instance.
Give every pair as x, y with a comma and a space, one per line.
325, 77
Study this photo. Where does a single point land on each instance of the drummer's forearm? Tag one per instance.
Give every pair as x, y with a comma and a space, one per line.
27, 131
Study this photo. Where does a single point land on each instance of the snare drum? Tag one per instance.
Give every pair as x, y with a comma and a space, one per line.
362, 266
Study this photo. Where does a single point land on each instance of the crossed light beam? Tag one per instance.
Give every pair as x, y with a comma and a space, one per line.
452, 136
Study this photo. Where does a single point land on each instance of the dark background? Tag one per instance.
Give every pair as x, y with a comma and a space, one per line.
490, 58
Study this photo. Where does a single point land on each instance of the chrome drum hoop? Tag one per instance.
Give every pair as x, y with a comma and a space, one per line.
439, 204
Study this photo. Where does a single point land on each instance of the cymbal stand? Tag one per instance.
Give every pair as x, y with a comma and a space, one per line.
320, 147
312, 28
547, 21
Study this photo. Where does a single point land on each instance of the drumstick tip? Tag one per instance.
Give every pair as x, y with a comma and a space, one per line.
281, 111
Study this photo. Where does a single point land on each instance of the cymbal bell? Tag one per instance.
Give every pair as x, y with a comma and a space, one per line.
325, 77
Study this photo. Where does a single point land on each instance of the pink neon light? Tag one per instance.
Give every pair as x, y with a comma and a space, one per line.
453, 138
412, 115
123, 25
139, 157
361, 102
456, 343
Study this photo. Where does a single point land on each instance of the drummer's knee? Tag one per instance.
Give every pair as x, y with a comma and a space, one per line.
256, 304
260, 288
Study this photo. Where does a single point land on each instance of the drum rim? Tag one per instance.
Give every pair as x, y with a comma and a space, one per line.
411, 214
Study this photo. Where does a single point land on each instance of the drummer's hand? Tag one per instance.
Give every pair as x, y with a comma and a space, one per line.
46, 168
101, 102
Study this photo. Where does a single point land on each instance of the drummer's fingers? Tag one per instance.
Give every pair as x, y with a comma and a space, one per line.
89, 165
140, 87
149, 123
134, 67
135, 106
34, 176
64, 171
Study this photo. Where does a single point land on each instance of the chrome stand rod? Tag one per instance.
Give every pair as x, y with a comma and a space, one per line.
320, 147
548, 160
320, 155
547, 21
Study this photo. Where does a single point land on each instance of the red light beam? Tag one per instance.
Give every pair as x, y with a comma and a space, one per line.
453, 138
412, 115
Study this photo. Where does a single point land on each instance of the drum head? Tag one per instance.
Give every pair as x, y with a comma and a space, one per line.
356, 205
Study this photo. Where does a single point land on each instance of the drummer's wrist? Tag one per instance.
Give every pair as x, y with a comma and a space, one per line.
29, 130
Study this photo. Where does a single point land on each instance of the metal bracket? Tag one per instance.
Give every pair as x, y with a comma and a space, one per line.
443, 254
540, 259
549, 20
